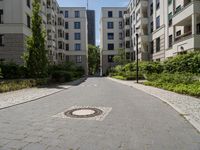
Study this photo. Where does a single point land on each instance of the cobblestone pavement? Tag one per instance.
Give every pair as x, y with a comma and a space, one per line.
25, 95
187, 106
135, 121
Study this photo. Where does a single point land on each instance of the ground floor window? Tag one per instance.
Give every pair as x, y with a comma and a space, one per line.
78, 59
110, 58
1, 40
198, 28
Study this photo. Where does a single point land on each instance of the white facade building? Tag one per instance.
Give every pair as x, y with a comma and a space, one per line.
15, 24
165, 29
112, 35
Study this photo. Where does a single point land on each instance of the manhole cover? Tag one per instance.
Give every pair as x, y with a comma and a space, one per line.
83, 112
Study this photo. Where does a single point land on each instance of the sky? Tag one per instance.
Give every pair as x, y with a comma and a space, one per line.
94, 5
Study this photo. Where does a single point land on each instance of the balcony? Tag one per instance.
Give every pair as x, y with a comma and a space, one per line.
184, 12
183, 36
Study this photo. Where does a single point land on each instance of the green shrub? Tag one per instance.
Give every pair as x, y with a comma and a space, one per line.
151, 67
183, 63
186, 83
1, 76
13, 71
72, 69
61, 76
12, 85
186, 78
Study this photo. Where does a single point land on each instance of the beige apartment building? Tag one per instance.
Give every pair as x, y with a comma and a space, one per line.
111, 35
166, 28
15, 22
66, 30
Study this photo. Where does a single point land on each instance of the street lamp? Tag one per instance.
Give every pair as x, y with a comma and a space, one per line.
137, 62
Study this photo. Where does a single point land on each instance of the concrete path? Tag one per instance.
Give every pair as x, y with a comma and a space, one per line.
135, 121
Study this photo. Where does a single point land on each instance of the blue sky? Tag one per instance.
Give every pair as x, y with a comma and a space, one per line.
95, 5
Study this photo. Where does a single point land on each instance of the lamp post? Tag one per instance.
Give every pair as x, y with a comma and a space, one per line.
137, 61
137, 64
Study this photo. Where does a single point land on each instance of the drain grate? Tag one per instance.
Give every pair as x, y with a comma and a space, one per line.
83, 112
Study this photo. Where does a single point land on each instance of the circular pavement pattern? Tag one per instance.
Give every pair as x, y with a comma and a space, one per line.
83, 112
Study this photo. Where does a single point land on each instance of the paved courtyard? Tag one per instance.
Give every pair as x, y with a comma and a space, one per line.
131, 120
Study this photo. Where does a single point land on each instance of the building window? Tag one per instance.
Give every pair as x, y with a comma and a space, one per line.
110, 46
152, 47
78, 59
110, 14
66, 36
120, 45
120, 36
151, 9
66, 14
1, 16
28, 21
157, 22
198, 28
77, 25
110, 58
67, 47
1, 40
110, 25
77, 36
151, 26
157, 4
170, 16
158, 44
178, 33
66, 25
77, 47
28, 3
110, 36
169, 2
178, 9
60, 45
120, 14
170, 40
128, 44
120, 25
77, 14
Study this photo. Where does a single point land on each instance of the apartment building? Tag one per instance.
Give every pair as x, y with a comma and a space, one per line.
15, 23
111, 35
91, 27
165, 29
74, 31
66, 28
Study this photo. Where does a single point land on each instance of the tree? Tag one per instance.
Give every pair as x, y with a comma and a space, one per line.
35, 57
120, 58
93, 59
